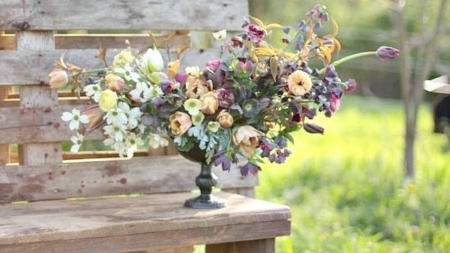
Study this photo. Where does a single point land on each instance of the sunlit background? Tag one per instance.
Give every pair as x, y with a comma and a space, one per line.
347, 188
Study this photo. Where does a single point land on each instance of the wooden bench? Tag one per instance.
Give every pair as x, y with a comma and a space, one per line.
54, 201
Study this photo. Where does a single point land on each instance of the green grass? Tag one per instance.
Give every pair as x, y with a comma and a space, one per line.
346, 188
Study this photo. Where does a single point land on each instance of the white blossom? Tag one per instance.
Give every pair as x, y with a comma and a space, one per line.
74, 118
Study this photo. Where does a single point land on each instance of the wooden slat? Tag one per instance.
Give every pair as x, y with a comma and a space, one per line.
116, 14
93, 41
120, 224
108, 177
35, 96
32, 67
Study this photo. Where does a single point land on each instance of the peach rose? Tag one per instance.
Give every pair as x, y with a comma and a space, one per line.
210, 103
180, 122
299, 83
247, 137
196, 87
225, 119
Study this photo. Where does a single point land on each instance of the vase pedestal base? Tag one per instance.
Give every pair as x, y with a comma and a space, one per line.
205, 201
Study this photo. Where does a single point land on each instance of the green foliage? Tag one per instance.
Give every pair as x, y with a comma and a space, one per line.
346, 190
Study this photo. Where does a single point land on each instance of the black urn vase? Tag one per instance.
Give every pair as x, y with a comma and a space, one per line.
205, 181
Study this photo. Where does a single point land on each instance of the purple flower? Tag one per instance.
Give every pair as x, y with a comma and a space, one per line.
250, 167
213, 65
351, 85
222, 159
386, 52
181, 77
255, 33
225, 97
167, 87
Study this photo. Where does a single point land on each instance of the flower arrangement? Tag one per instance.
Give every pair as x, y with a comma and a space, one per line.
247, 102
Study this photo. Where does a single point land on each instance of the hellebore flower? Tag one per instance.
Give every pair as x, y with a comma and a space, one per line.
222, 159
192, 106
386, 52
250, 107
250, 167
197, 119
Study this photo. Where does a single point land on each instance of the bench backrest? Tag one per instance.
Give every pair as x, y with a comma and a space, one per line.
33, 165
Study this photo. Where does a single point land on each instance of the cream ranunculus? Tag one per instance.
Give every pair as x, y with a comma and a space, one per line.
210, 103
152, 60
114, 82
247, 137
225, 119
299, 83
107, 100
180, 122
58, 79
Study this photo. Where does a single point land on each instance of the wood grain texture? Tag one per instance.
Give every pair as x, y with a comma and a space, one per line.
256, 246
84, 178
94, 41
38, 64
35, 96
117, 14
148, 222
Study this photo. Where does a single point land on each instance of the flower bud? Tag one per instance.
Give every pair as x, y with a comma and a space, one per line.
152, 60
107, 100
95, 115
385, 52
313, 128
114, 82
58, 79
210, 103
225, 119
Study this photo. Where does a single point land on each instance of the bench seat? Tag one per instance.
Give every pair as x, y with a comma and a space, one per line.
156, 221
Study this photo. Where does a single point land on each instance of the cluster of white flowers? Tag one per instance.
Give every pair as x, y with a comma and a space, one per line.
121, 123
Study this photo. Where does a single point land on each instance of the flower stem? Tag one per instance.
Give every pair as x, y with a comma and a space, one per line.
348, 58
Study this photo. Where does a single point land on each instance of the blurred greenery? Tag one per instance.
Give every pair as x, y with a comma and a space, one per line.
364, 25
346, 191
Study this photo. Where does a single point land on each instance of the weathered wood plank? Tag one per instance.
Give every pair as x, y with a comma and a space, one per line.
146, 222
35, 96
33, 67
87, 178
256, 246
94, 41
116, 14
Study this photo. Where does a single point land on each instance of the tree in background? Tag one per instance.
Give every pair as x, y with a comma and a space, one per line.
422, 44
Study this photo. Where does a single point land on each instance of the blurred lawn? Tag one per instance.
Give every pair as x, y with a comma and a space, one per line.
346, 188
